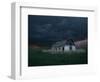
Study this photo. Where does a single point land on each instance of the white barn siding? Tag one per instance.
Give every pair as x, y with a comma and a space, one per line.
66, 48
73, 48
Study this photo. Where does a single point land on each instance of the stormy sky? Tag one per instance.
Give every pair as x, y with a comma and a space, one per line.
46, 30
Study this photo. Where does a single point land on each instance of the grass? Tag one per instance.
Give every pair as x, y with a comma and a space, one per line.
38, 58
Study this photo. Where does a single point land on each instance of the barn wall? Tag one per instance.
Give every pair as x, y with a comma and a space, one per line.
66, 48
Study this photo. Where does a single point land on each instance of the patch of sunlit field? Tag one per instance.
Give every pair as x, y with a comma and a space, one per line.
36, 57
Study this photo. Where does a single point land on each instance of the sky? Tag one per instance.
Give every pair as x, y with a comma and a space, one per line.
46, 30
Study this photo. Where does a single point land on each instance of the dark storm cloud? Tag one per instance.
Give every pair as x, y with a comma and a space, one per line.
46, 29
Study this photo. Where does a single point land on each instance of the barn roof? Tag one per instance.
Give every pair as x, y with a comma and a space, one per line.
63, 43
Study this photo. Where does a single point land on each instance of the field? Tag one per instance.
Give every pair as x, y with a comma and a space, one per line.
38, 58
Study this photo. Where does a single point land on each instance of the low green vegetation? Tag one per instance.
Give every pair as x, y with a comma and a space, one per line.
38, 58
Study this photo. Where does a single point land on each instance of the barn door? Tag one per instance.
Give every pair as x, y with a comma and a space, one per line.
70, 47
62, 48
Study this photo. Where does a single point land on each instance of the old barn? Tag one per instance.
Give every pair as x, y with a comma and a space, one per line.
63, 46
